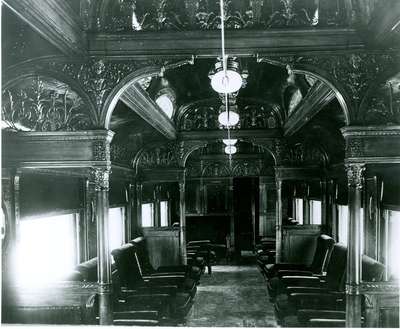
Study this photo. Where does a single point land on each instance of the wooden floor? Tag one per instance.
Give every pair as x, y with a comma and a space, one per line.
233, 296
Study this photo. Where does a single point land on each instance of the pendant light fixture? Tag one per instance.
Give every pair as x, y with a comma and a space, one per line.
226, 77
230, 149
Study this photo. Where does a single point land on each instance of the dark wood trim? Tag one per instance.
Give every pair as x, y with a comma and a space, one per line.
219, 134
318, 96
81, 149
56, 21
141, 103
208, 43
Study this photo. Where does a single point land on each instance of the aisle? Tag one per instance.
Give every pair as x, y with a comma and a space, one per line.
233, 296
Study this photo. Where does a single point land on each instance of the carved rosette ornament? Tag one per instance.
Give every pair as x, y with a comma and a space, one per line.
354, 148
101, 151
100, 179
355, 174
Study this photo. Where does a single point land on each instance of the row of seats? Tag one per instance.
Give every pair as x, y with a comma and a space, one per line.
314, 295
144, 295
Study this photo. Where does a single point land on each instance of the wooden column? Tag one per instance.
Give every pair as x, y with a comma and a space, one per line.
324, 203
306, 205
157, 206
262, 207
278, 220
129, 212
182, 222
139, 194
353, 298
100, 177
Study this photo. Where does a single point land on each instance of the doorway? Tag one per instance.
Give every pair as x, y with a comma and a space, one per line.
246, 214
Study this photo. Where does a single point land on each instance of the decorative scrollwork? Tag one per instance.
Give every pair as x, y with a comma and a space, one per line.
42, 104
159, 156
301, 154
252, 116
144, 15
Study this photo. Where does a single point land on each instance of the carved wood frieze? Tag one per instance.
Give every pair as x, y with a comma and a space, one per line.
98, 77
204, 116
178, 15
223, 168
43, 104
352, 73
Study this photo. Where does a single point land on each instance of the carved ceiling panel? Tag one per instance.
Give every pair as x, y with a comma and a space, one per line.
178, 15
40, 103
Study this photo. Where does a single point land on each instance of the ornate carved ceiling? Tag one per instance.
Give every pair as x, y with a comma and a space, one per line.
179, 15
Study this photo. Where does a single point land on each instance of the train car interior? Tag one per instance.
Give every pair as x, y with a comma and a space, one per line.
200, 163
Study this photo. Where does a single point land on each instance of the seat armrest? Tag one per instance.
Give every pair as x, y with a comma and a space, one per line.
157, 275
317, 300
299, 280
282, 273
304, 315
306, 290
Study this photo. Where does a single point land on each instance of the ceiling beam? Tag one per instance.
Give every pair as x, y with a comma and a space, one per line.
386, 23
219, 134
317, 97
141, 103
55, 20
208, 43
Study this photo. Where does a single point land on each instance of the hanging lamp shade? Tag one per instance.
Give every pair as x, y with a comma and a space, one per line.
230, 118
228, 141
230, 149
228, 81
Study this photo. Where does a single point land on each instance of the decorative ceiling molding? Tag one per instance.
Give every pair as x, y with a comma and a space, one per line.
208, 43
140, 102
55, 21
316, 99
181, 15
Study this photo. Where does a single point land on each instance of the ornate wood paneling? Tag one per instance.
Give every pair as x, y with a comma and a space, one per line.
204, 116
40, 103
179, 15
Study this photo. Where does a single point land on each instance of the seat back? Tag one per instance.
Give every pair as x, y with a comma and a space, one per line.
372, 270
127, 267
322, 253
143, 254
336, 269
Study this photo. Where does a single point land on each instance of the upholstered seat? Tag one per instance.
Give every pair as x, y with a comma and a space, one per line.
173, 290
147, 268
318, 265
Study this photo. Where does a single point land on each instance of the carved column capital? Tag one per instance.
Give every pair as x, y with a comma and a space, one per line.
355, 172
100, 178
182, 187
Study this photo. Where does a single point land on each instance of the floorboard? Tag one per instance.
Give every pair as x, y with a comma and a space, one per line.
233, 296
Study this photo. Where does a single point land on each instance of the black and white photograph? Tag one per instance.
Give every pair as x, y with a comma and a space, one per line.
200, 163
